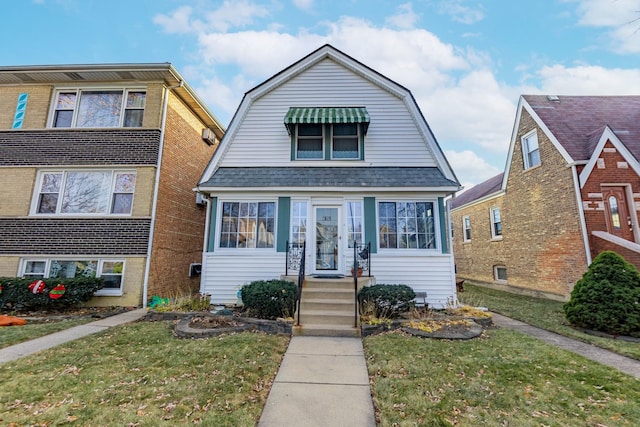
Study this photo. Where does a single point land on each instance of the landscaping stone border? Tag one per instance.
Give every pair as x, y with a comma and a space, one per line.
184, 330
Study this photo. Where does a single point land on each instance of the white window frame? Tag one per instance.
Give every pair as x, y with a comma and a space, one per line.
493, 222
348, 216
436, 226
249, 199
78, 92
295, 220
527, 151
338, 137
35, 203
99, 261
303, 137
466, 226
495, 274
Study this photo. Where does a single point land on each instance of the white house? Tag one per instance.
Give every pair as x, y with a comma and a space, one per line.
326, 153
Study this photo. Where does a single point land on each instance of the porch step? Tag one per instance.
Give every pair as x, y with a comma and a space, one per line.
312, 303
326, 331
326, 317
328, 294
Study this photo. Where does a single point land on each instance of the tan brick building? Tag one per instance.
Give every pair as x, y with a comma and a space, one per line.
98, 165
569, 191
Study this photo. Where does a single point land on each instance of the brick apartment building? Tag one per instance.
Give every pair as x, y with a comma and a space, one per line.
98, 165
571, 189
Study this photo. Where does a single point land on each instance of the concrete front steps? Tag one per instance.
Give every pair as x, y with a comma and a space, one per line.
328, 308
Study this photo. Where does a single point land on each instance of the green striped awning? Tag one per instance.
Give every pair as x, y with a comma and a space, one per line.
307, 115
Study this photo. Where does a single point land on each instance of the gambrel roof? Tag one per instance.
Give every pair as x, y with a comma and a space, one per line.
438, 172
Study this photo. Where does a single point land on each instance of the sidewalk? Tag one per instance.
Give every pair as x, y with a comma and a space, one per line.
322, 381
26, 348
624, 364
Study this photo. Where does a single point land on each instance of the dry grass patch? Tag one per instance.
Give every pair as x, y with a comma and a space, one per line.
505, 378
140, 375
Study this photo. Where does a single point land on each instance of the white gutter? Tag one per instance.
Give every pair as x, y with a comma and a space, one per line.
156, 186
583, 224
205, 242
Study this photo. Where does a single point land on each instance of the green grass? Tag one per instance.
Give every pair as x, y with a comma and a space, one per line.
505, 378
542, 313
11, 335
140, 375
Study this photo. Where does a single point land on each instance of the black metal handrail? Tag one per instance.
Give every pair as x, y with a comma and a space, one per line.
301, 279
361, 261
294, 256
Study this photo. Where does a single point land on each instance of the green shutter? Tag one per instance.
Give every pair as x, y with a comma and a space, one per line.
284, 222
370, 227
444, 237
212, 224
361, 141
293, 144
327, 142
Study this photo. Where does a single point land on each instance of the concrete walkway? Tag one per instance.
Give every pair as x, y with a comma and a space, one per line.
322, 381
624, 364
26, 348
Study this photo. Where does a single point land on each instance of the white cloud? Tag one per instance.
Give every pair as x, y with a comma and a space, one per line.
306, 5
405, 18
589, 80
619, 17
470, 168
176, 22
460, 13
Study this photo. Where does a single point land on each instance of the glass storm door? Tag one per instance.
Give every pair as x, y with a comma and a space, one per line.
326, 251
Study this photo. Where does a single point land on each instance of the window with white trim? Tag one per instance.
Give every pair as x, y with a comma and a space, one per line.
247, 225
72, 192
466, 229
407, 225
299, 222
530, 150
98, 108
110, 270
355, 223
345, 141
496, 223
500, 273
309, 142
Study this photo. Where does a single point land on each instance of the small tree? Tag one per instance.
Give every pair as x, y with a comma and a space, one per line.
607, 298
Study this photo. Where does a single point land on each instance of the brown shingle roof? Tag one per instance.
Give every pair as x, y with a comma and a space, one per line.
578, 121
478, 191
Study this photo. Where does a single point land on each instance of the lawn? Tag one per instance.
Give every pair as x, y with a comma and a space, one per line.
140, 375
543, 313
16, 334
504, 378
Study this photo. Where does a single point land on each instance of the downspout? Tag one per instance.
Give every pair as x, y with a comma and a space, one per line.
583, 223
156, 187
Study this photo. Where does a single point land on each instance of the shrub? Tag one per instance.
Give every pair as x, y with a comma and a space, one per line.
270, 299
389, 300
17, 296
607, 298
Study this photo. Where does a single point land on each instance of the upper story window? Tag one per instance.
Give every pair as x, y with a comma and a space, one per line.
530, 150
466, 229
327, 133
101, 192
496, 223
407, 225
98, 108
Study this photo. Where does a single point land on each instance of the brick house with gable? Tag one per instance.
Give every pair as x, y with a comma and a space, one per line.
571, 189
98, 164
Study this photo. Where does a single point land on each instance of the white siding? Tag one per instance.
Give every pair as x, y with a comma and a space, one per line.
430, 274
393, 139
224, 274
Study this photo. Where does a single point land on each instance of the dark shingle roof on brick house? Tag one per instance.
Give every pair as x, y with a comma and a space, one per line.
477, 192
363, 177
579, 121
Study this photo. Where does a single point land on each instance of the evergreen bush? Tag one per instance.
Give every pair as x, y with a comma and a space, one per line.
607, 298
270, 299
389, 300
15, 294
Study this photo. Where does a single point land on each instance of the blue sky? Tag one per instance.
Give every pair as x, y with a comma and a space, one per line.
466, 62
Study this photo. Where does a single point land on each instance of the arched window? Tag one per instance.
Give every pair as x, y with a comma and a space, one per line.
615, 216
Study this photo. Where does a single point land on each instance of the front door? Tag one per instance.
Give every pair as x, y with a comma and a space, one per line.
617, 212
327, 247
